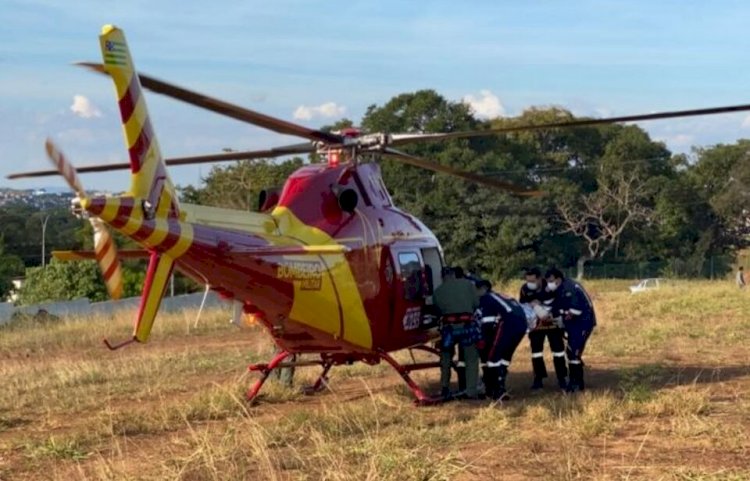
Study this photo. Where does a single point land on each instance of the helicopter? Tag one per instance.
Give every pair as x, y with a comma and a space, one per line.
329, 265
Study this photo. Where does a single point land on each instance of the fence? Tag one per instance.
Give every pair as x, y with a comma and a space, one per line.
715, 267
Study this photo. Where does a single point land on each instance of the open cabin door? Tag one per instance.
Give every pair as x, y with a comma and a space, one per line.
418, 274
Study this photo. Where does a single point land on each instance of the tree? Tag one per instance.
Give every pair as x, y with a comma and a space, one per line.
238, 186
10, 266
723, 174
601, 217
478, 227
61, 281
603, 209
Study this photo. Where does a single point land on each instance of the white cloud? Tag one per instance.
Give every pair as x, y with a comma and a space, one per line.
83, 107
326, 110
746, 123
486, 104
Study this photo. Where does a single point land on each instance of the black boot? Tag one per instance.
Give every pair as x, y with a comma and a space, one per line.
581, 383
576, 377
491, 385
540, 370
561, 368
501, 393
445, 393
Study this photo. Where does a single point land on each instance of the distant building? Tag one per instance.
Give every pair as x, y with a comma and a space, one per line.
17, 284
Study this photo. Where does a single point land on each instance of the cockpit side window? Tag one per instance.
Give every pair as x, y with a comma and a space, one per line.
411, 275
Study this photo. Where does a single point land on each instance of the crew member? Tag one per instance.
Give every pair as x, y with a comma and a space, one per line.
573, 305
503, 327
456, 301
532, 292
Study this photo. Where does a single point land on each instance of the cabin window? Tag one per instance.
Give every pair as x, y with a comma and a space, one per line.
411, 275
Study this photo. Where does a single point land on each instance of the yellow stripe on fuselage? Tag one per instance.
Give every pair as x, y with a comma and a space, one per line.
320, 308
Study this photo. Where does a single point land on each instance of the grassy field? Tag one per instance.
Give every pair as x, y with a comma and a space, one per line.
669, 398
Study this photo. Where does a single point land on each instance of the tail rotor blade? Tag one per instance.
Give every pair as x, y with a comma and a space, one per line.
104, 245
65, 168
106, 256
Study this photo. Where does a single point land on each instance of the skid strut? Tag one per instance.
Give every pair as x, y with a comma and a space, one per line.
265, 370
322, 380
327, 363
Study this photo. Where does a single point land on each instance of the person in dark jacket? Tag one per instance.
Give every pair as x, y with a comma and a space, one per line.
534, 291
573, 306
503, 327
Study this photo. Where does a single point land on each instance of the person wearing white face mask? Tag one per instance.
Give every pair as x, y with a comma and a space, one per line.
573, 305
534, 291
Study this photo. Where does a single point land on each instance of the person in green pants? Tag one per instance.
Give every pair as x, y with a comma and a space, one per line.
456, 299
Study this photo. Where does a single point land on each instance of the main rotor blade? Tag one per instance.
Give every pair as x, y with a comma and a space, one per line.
225, 108
400, 139
479, 179
305, 148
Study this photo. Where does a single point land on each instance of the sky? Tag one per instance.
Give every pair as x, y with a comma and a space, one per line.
315, 62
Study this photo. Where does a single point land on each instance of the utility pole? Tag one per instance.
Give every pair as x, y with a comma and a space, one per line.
44, 234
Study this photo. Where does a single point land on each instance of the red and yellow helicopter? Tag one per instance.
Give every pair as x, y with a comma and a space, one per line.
330, 266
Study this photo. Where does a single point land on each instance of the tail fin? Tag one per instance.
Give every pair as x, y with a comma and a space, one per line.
158, 274
150, 180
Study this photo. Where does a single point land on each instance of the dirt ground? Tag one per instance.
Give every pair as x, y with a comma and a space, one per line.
672, 407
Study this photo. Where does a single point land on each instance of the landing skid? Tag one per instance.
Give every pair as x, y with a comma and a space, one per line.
327, 361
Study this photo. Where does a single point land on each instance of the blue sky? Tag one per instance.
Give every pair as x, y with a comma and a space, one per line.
314, 62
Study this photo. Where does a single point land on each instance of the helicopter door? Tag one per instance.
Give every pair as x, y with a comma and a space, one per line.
414, 288
433, 265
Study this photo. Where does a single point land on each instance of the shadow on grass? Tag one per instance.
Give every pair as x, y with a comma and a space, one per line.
634, 382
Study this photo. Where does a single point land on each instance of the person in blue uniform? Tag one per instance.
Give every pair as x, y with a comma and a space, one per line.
573, 305
504, 325
534, 291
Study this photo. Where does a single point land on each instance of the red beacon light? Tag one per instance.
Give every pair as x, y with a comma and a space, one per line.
334, 155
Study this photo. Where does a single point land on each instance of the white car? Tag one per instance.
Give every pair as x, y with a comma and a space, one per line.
646, 285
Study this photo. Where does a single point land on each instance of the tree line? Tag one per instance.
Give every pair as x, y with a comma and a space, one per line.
612, 195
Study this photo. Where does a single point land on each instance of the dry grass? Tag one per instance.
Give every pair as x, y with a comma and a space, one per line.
669, 399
